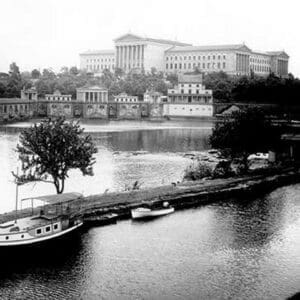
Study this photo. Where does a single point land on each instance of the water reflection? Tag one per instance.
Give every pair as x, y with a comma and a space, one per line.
116, 166
231, 250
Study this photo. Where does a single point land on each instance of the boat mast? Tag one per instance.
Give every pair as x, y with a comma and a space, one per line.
17, 196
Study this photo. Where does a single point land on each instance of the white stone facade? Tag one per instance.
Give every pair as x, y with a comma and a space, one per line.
135, 53
94, 94
97, 61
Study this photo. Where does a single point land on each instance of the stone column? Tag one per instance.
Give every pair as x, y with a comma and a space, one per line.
134, 56
139, 55
117, 57
142, 57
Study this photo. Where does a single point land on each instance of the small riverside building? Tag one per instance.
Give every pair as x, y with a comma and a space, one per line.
123, 97
18, 108
92, 94
57, 96
154, 97
94, 100
189, 98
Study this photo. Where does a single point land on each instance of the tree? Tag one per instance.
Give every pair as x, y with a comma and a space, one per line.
35, 74
51, 149
244, 132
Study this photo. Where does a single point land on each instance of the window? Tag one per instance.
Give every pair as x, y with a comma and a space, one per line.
38, 231
7, 237
47, 229
208, 57
182, 91
224, 56
22, 236
224, 65
219, 56
214, 57
166, 66
219, 65
55, 226
208, 65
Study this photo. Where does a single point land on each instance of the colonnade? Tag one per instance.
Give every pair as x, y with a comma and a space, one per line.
130, 56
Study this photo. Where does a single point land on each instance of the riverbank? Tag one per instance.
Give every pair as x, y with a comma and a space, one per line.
182, 195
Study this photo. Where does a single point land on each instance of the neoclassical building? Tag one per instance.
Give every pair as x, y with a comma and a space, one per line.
135, 53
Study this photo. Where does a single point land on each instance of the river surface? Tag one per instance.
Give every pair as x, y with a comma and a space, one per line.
247, 249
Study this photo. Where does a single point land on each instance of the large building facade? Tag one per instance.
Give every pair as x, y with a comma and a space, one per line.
135, 53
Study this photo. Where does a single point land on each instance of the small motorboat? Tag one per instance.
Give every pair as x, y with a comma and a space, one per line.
144, 212
101, 220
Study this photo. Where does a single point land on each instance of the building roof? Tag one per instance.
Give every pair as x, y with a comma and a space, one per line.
278, 53
14, 101
132, 37
240, 47
98, 52
124, 95
95, 87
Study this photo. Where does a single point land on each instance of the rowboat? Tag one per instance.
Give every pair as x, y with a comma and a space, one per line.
143, 212
51, 221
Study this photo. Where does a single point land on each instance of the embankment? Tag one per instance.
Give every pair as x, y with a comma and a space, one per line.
180, 196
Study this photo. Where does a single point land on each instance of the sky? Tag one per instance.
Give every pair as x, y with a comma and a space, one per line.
51, 33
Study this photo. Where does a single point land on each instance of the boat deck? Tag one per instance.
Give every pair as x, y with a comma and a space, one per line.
25, 223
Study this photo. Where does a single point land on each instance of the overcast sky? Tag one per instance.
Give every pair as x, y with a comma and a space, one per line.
51, 33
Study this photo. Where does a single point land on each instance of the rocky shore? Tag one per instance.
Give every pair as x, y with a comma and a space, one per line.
182, 195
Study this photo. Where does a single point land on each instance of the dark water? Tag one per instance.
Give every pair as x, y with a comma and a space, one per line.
230, 250
246, 249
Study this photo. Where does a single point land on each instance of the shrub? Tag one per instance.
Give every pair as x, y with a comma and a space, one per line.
198, 170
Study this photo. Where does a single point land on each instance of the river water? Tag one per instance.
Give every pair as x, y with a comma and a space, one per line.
247, 249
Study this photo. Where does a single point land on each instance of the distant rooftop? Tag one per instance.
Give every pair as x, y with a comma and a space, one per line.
133, 37
97, 52
208, 48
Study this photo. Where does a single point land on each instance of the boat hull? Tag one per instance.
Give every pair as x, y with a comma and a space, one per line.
44, 240
144, 214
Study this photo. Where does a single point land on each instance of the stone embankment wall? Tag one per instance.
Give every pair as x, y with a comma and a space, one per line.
180, 196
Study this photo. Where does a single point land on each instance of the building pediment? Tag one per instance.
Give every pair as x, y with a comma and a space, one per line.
129, 37
244, 48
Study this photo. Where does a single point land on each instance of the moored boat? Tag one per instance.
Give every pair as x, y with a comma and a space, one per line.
143, 212
51, 221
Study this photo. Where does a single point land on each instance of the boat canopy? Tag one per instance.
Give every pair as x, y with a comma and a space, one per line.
55, 199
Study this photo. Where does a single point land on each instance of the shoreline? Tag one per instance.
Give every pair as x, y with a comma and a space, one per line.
180, 196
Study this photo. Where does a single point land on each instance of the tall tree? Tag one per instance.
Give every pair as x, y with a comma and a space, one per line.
50, 149
244, 132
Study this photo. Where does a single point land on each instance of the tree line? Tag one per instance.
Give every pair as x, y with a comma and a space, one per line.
226, 88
